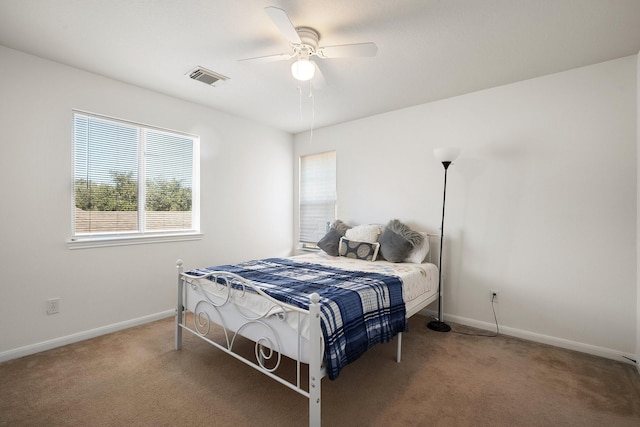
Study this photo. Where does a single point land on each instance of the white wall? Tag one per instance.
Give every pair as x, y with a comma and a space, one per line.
246, 182
541, 205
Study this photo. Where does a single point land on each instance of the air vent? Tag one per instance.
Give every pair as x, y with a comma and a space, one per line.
206, 76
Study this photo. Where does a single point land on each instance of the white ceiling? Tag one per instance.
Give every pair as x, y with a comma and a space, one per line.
427, 49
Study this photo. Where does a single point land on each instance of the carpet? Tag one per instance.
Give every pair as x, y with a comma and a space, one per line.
135, 377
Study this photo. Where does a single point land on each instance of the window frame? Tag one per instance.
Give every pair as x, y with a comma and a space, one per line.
139, 236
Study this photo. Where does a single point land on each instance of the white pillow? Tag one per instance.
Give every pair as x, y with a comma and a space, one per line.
364, 233
419, 253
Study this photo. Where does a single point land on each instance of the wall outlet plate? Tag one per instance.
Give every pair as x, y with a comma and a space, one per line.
53, 306
494, 296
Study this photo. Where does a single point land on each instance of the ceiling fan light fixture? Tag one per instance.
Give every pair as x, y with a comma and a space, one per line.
303, 69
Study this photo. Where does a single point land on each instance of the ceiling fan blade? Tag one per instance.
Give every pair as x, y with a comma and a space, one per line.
318, 79
268, 58
348, 50
282, 21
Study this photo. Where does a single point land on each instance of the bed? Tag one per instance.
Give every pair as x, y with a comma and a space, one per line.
299, 309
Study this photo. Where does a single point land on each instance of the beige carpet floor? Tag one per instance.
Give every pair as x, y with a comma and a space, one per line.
136, 378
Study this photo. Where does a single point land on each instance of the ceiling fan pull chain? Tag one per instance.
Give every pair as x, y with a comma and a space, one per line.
299, 89
313, 112
313, 107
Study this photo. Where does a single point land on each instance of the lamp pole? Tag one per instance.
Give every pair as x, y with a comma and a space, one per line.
439, 325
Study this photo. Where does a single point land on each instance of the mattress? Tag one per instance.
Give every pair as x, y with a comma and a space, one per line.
417, 279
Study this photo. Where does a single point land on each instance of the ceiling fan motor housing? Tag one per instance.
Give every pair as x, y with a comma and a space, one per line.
309, 38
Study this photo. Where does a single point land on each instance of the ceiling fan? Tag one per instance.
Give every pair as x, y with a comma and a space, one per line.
304, 45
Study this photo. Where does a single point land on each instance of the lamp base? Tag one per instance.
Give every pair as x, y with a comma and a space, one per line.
436, 325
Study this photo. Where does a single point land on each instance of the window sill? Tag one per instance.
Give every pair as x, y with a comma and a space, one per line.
101, 242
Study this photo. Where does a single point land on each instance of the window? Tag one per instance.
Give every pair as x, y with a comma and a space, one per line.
131, 180
317, 196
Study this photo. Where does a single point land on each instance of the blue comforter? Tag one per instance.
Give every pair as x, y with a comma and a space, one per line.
358, 309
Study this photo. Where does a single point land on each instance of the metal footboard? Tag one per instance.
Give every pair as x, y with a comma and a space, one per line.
217, 303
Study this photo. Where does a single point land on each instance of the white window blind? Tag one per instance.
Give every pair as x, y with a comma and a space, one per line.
132, 179
317, 195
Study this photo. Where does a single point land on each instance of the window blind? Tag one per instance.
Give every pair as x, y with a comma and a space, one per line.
317, 195
168, 187
130, 178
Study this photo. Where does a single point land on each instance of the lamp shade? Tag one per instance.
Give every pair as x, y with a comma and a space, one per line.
448, 154
303, 69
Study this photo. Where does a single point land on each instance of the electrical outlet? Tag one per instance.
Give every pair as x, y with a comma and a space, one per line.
53, 306
494, 295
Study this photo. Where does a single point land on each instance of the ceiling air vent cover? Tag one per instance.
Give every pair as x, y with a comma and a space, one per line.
206, 76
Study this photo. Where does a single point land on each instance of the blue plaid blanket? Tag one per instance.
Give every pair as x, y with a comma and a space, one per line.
358, 309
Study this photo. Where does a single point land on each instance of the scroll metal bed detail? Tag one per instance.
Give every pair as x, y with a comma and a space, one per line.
217, 298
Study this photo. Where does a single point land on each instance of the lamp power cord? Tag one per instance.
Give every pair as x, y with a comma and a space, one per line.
495, 318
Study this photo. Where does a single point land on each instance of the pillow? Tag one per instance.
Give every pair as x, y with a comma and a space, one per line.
340, 227
394, 247
418, 254
413, 237
360, 250
364, 233
330, 242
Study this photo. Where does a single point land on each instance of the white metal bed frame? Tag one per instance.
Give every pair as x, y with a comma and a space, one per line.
264, 330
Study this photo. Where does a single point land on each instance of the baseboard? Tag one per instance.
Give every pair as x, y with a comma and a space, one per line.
540, 338
504, 330
81, 336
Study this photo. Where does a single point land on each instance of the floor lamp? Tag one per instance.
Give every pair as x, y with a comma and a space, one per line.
446, 156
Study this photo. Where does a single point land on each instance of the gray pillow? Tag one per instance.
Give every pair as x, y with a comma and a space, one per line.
403, 230
340, 227
393, 246
330, 242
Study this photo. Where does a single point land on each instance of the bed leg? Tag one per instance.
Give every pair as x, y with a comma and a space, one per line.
399, 348
315, 362
180, 307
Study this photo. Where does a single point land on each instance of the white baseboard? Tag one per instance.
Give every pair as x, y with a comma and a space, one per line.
504, 330
81, 336
540, 338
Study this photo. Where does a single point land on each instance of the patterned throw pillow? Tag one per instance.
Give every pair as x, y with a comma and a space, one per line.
359, 250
